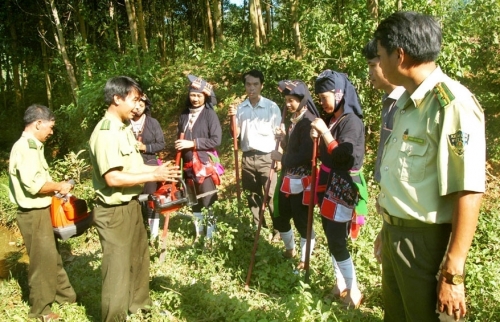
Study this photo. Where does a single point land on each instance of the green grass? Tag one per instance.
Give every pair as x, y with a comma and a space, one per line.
197, 283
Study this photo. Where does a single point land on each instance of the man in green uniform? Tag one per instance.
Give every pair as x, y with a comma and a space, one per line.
118, 175
31, 188
432, 175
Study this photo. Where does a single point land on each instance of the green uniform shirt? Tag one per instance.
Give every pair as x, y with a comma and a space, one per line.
437, 147
113, 146
28, 172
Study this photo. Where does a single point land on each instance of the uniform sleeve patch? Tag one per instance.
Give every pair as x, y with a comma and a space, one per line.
443, 94
458, 141
106, 125
32, 144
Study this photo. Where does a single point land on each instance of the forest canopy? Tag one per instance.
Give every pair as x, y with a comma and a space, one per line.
60, 53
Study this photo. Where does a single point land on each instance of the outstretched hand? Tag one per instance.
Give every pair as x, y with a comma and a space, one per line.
167, 172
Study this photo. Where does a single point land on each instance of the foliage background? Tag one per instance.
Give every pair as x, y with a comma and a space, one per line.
200, 284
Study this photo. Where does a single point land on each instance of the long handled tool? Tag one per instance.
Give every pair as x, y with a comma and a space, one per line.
262, 208
310, 212
173, 205
236, 166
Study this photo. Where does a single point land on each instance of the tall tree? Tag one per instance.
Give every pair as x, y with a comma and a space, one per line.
209, 25
294, 13
48, 83
262, 28
254, 22
83, 34
61, 46
218, 20
129, 5
141, 26
269, 24
114, 19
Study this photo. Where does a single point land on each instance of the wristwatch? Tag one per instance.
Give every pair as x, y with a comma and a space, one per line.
455, 279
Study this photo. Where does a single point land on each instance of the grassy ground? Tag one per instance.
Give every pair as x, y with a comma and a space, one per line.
198, 283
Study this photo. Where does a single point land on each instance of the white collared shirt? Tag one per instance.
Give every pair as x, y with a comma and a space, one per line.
257, 125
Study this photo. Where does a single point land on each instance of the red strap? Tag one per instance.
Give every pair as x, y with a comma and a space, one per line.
332, 145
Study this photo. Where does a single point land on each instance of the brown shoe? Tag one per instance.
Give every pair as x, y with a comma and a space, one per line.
290, 253
49, 317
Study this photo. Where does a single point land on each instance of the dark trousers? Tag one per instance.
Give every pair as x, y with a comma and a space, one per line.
205, 202
291, 207
47, 279
125, 260
336, 235
255, 168
411, 258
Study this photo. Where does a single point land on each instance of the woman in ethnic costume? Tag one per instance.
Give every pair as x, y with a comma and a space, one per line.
341, 186
149, 135
202, 134
296, 168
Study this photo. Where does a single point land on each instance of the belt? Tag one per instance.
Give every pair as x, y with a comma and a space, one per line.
30, 209
253, 152
105, 205
395, 221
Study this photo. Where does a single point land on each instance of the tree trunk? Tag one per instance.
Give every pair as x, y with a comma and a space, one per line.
15, 66
373, 8
129, 5
294, 13
218, 20
48, 83
2, 82
254, 22
61, 45
142, 27
262, 28
115, 22
210, 25
269, 24
400, 5
83, 33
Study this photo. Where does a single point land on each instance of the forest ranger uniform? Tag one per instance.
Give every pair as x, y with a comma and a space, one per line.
436, 148
47, 279
118, 219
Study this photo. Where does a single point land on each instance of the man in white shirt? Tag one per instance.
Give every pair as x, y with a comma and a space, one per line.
256, 119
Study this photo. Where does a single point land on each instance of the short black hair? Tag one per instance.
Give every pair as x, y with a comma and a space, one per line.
37, 112
254, 73
417, 34
120, 86
370, 49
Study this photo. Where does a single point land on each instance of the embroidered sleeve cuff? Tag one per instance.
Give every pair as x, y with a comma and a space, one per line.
332, 145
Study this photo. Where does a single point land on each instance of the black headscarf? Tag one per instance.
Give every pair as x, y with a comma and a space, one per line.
344, 91
299, 89
147, 104
199, 85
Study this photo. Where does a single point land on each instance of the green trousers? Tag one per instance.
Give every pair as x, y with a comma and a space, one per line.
411, 258
125, 260
47, 279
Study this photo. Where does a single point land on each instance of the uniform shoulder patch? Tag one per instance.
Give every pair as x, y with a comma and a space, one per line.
106, 125
443, 94
458, 142
32, 144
